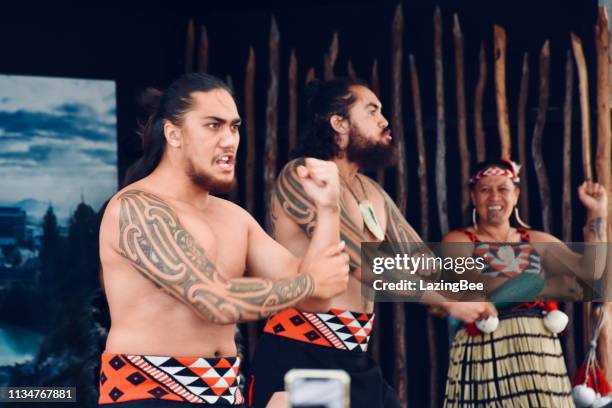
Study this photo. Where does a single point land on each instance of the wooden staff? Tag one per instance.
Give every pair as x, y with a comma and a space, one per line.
397, 127
538, 133
189, 46
375, 83
310, 75
481, 152
249, 169
203, 51
441, 126
350, 70
271, 117
422, 156
567, 148
424, 210
583, 92
568, 308
464, 152
330, 58
521, 131
380, 179
603, 164
503, 123
249, 109
293, 102
604, 140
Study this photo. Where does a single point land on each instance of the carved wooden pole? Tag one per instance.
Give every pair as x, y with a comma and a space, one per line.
375, 82
422, 162
310, 75
271, 149
330, 58
293, 102
503, 123
481, 152
203, 51
251, 143
189, 46
603, 167
350, 70
441, 126
380, 178
567, 148
538, 133
570, 340
464, 153
424, 210
397, 127
521, 132
583, 93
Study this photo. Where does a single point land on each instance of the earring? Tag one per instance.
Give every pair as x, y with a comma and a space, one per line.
518, 219
474, 219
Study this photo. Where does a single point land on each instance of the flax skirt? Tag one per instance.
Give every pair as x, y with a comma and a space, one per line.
518, 365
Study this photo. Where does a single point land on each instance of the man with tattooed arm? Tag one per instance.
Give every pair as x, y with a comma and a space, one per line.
344, 123
182, 267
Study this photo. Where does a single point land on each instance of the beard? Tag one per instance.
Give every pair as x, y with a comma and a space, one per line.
208, 182
370, 154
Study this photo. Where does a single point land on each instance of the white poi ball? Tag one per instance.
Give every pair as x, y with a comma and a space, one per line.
601, 402
488, 325
583, 396
556, 321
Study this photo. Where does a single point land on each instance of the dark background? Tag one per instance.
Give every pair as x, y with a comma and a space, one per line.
145, 46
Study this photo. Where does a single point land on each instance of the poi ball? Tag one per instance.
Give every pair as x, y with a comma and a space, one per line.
583, 396
601, 402
556, 321
488, 325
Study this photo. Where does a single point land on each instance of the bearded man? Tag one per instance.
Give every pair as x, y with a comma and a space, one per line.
344, 124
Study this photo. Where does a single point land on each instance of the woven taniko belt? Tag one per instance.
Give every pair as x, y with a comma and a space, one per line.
125, 377
337, 328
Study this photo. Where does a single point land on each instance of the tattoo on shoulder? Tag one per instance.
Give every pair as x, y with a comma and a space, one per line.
162, 250
293, 200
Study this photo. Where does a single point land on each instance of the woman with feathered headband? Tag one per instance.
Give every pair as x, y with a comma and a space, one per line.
515, 359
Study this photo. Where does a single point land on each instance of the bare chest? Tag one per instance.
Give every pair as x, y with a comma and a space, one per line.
223, 240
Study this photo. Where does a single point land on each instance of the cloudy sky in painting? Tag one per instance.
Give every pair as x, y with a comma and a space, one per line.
57, 140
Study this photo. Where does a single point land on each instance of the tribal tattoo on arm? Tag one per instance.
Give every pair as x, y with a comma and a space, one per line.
402, 238
155, 242
296, 204
595, 229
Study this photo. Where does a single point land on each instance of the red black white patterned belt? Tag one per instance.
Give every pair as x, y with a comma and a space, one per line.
125, 377
337, 328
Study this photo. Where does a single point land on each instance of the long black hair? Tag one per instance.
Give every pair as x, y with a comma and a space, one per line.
170, 105
323, 100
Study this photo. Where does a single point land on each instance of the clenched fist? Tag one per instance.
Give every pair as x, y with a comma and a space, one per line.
594, 197
320, 181
329, 271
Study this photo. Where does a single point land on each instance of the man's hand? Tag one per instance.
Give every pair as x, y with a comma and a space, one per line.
329, 271
321, 183
469, 312
594, 198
